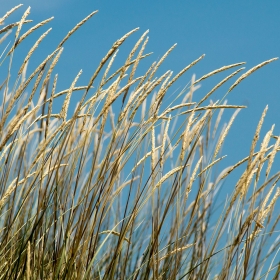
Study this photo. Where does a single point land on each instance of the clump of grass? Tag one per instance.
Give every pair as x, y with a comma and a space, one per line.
130, 193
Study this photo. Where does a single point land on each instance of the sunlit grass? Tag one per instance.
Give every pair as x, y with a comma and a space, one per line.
128, 191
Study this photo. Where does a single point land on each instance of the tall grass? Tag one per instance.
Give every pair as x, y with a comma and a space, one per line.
129, 185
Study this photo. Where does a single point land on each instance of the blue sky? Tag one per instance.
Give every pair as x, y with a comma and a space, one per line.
226, 31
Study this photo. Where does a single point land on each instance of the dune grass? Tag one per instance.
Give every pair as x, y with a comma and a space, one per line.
133, 190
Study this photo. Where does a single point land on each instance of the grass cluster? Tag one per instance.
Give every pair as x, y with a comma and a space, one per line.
129, 185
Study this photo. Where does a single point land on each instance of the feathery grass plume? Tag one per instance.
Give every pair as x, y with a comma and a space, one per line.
160, 62
272, 156
169, 174
161, 93
168, 110
115, 46
25, 15
105, 193
147, 91
40, 68
136, 61
153, 155
143, 159
218, 120
218, 85
19, 92
265, 210
35, 46
190, 184
27, 33
176, 251
12, 25
51, 104
76, 27
212, 107
263, 150
103, 81
256, 136
186, 135
63, 112
164, 140
130, 63
218, 71
210, 165
53, 64
8, 193
183, 71
250, 71
223, 136
9, 13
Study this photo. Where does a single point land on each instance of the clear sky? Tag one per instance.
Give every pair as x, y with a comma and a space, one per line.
226, 31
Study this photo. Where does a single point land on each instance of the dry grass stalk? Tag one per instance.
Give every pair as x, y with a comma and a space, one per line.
66, 91
139, 56
223, 136
9, 13
136, 61
25, 15
3, 38
66, 102
244, 185
130, 103
143, 159
114, 233
75, 183
167, 111
176, 251
186, 135
218, 71
161, 93
53, 64
263, 150
75, 29
272, 156
28, 270
8, 193
257, 135
129, 63
167, 175
218, 120
12, 25
210, 107
153, 155
103, 81
160, 62
210, 165
115, 46
265, 212
184, 70
193, 176
230, 169
164, 140
51, 104
148, 90
249, 72
22, 87
31, 51
219, 85
27, 33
